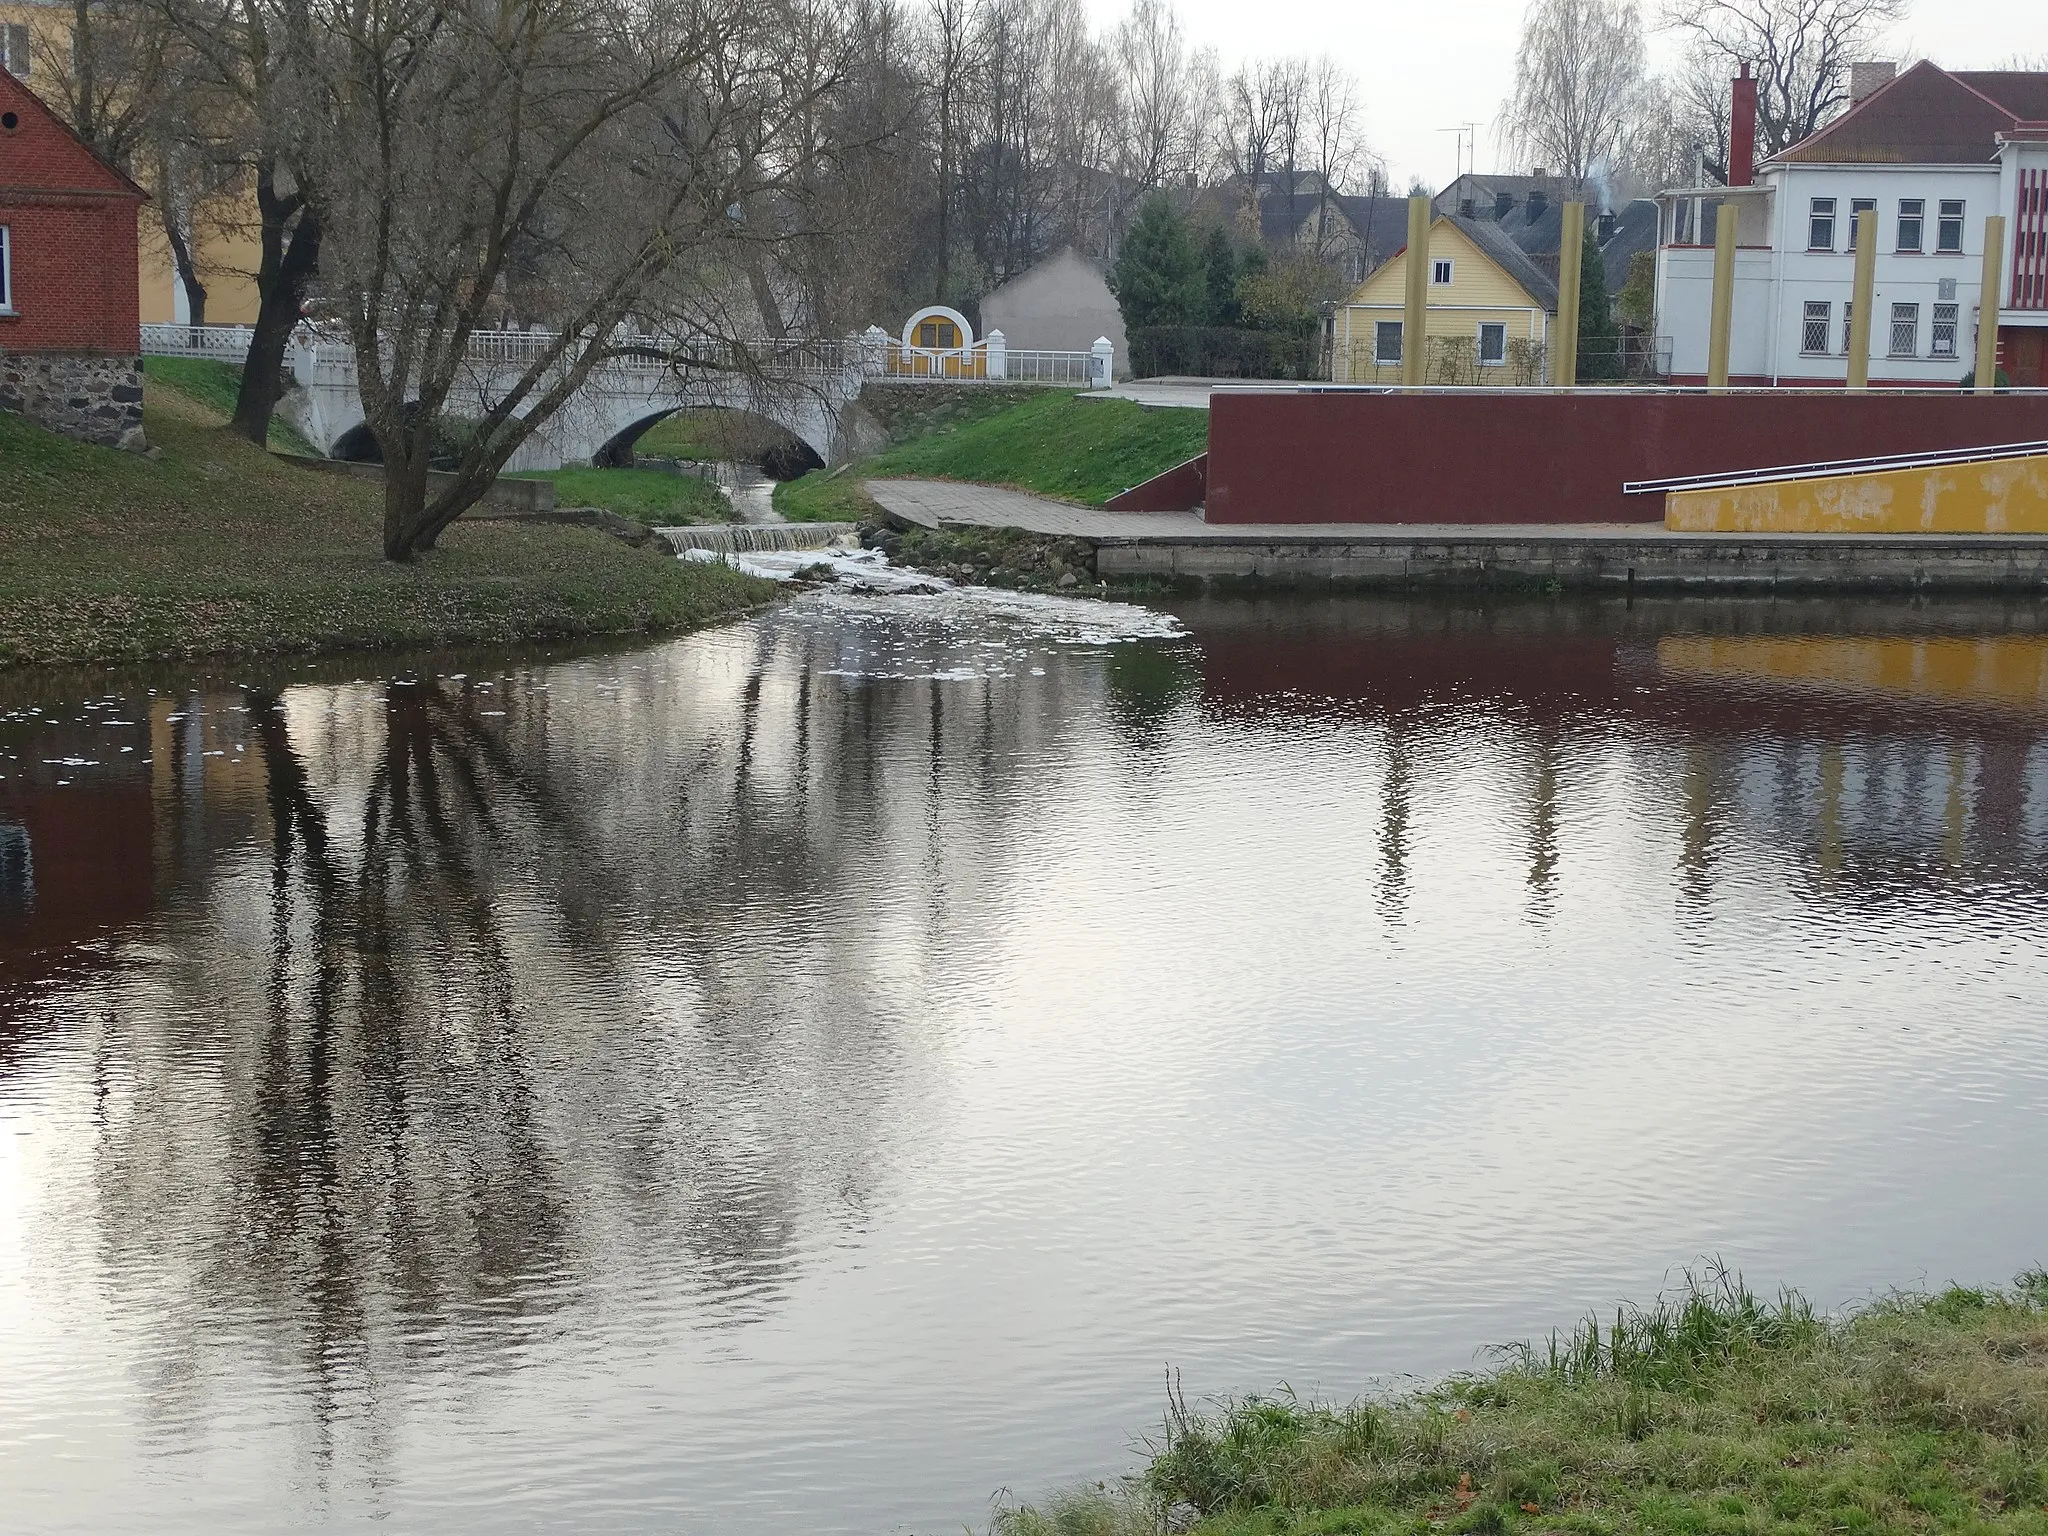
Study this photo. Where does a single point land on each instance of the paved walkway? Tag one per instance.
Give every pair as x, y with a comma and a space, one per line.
932, 502
936, 502
1185, 393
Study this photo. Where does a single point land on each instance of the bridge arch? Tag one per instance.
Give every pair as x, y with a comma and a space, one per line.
777, 449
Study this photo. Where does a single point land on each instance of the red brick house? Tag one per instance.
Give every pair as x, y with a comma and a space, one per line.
70, 337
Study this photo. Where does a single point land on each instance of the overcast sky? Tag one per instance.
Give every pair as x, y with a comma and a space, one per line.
1431, 66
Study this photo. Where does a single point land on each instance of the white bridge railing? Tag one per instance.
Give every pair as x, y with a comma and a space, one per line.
873, 355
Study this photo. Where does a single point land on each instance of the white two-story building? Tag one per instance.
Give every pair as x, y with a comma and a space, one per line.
1933, 152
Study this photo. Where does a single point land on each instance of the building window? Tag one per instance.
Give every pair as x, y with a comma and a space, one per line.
1858, 205
1943, 342
1681, 222
1948, 234
1386, 341
1819, 321
1820, 225
14, 49
1848, 323
1905, 330
6, 272
1440, 273
1912, 213
1493, 343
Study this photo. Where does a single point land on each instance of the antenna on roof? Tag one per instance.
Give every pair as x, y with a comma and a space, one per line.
1467, 148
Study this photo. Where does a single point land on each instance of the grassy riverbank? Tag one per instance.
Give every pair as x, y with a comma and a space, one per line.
652, 497
218, 548
1049, 441
1716, 1412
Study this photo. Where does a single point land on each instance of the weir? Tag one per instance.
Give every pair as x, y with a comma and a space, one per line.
756, 538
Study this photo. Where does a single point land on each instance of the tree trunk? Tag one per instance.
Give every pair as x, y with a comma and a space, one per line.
181, 258
291, 254
405, 507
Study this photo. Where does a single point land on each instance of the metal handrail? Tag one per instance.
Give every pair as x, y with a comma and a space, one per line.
1833, 468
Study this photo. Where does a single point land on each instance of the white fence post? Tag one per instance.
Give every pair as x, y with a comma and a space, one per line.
874, 349
1104, 356
998, 355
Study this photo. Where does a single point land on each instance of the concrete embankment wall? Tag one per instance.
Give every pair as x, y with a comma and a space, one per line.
1653, 561
1539, 456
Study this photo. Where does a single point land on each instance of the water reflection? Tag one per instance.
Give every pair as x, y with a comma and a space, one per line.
814, 1073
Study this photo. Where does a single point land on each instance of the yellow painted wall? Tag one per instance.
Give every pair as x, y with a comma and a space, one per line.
1479, 291
1999, 496
2004, 671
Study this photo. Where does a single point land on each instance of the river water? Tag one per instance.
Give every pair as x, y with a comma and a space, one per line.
813, 1074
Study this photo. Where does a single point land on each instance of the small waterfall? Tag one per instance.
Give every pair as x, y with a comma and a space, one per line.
752, 538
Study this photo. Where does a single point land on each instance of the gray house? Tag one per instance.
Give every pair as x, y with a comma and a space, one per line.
1060, 305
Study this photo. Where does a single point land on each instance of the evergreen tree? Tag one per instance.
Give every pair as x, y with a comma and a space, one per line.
1220, 271
1599, 345
1158, 278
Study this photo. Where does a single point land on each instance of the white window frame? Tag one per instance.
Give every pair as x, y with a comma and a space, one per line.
1823, 312
1941, 340
1916, 220
1814, 218
1910, 314
1848, 323
6, 270
1857, 207
1943, 219
1446, 266
1380, 328
1480, 345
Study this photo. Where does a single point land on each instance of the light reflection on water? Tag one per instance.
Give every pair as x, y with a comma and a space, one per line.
812, 1074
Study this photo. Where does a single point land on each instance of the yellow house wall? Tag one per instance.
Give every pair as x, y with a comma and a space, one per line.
227, 262
1479, 291
2000, 496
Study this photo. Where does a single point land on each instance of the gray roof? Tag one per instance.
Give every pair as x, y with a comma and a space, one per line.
1635, 231
1539, 284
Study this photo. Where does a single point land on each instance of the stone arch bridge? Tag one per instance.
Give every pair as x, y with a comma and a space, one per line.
802, 385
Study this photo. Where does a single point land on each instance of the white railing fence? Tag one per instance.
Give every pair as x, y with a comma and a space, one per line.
873, 354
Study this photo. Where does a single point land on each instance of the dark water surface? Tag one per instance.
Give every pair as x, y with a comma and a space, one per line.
809, 1075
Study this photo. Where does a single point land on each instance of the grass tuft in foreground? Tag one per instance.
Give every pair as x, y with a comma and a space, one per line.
1053, 442
1713, 1411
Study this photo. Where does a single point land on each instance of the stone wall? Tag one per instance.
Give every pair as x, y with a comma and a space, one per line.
92, 396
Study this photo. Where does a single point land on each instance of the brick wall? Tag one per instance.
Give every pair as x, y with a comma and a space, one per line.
71, 235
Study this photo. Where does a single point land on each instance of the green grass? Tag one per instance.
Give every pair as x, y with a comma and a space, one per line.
650, 496
1713, 1413
1052, 442
215, 386
219, 548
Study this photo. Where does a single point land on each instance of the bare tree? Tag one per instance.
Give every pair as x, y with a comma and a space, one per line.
1261, 128
1799, 50
1336, 141
1580, 78
242, 58
104, 73
1166, 101
584, 160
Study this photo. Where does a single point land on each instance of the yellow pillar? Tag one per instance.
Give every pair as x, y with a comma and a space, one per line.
1865, 296
1414, 342
1724, 297
1987, 303
1564, 350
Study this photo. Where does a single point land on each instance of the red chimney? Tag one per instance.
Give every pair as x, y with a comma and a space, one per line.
1742, 132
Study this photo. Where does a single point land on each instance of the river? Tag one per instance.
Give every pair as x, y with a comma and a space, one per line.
813, 1074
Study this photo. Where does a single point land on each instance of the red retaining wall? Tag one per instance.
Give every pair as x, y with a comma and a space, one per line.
1542, 457
1175, 490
